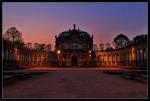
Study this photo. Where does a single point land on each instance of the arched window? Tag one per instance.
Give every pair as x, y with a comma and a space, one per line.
99, 58
105, 58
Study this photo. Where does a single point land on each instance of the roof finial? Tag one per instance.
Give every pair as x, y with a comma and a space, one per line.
74, 26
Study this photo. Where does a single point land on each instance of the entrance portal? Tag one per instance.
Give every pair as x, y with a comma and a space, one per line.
74, 60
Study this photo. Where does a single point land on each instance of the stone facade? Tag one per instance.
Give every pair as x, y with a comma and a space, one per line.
75, 47
15, 55
132, 55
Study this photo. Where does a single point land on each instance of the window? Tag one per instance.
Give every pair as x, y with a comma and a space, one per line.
59, 46
85, 46
82, 34
74, 45
64, 46
65, 34
99, 58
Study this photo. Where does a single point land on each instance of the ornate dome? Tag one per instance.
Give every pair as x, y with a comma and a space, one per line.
69, 32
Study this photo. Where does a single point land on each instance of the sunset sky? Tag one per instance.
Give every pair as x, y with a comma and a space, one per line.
40, 22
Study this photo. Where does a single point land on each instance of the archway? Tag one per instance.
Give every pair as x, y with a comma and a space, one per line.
74, 60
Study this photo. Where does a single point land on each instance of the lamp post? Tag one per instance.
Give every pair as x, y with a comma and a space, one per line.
89, 57
58, 53
89, 51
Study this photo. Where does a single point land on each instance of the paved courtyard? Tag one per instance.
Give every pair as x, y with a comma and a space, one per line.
75, 84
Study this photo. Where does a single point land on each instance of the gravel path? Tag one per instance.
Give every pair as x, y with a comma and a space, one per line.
75, 84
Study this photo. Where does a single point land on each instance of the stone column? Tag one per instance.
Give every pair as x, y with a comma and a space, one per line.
139, 56
18, 57
6, 56
3, 57
143, 50
3, 54
102, 59
10, 55
131, 57
107, 60
40, 60
145, 54
28, 58
120, 59
23, 58
35, 59
30, 55
31, 58
116, 59
135, 56
128, 57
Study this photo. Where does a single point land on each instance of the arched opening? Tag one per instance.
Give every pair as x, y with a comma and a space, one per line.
74, 60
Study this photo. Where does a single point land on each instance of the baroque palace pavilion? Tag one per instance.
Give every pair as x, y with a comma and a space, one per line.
74, 47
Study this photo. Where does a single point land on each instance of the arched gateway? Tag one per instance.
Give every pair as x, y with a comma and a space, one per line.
74, 60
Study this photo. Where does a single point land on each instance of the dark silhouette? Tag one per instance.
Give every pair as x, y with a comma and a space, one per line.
140, 39
121, 41
101, 46
12, 34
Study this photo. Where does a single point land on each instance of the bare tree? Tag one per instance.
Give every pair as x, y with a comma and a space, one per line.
107, 45
36, 46
29, 45
140, 38
49, 46
43, 47
121, 41
40, 47
12, 34
95, 48
101, 46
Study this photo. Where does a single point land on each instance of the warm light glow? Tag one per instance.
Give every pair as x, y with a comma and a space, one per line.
58, 52
89, 51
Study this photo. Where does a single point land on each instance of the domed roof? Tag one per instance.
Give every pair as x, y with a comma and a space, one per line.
83, 33
63, 34
69, 32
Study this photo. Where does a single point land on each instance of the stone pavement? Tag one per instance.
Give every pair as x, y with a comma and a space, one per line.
75, 84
